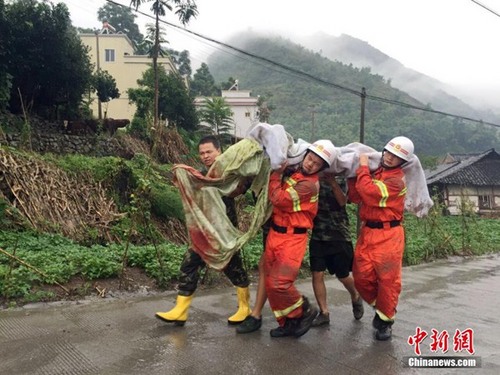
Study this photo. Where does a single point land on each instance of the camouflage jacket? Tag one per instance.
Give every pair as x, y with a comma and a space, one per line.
331, 223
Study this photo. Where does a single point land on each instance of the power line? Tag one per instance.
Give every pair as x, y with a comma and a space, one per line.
302, 74
485, 7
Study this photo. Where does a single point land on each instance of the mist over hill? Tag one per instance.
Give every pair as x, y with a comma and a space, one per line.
428, 90
328, 105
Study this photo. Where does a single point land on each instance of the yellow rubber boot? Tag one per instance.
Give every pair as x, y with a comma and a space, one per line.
243, 306
179, 313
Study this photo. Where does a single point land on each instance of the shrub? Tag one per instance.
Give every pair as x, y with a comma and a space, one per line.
166, 203
139, 128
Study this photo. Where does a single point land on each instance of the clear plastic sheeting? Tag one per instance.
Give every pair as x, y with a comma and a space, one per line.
417, 199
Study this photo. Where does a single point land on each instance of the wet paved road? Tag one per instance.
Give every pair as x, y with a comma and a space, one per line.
121, 336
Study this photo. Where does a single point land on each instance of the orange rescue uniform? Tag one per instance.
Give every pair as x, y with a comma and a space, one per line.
379, 250
295, 204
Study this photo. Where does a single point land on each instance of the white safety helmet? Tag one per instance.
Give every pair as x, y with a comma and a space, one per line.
325, 150
402, 147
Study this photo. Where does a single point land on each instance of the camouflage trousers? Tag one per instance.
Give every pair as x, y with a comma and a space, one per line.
192, 265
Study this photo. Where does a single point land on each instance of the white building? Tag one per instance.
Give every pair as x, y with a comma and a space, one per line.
115, 54
244, 107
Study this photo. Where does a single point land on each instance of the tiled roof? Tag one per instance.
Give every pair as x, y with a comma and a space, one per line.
477, 170
461, 157
440, 168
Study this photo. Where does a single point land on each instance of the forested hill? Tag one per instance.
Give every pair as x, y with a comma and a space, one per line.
311, 109
359, 53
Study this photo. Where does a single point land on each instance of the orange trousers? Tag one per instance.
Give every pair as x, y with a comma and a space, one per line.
282, 260
377, 267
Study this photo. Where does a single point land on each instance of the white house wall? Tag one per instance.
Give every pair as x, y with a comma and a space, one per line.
456, 193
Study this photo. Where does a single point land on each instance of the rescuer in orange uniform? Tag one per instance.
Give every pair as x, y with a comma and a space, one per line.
379, 249
295, 203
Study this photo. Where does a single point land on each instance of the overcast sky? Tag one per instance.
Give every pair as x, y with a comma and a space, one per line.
454, 41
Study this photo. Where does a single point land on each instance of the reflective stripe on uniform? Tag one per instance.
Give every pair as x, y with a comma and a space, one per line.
288, 310
403, 192
384, 317
383, 192
293, 193
295, 198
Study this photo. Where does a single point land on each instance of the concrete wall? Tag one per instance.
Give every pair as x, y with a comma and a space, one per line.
59, 143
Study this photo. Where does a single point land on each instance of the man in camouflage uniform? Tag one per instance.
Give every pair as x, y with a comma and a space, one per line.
331, 247
209, 149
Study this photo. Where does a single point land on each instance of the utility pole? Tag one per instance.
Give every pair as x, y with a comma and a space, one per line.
98, 66
361, 140
362, 118
313, 127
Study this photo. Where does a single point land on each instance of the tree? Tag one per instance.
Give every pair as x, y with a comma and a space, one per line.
105, 86
228, 84
203, 83
148, 43
175, 104
122, 19
219, 117
49, 65
185, 9
5, 77
264, 108
181, 61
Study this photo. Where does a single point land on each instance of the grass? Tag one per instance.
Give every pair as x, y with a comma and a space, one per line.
59, 259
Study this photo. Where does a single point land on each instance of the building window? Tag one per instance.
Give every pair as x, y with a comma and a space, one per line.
109, 55
484, 202
247, 114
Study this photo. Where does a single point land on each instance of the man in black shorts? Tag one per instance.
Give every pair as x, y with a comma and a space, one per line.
331, 248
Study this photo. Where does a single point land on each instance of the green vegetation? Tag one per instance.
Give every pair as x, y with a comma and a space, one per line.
123, 20
174, 102
217, 114
47, 68
61, 259
123, 177
184, 10
38, 34
439, 236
